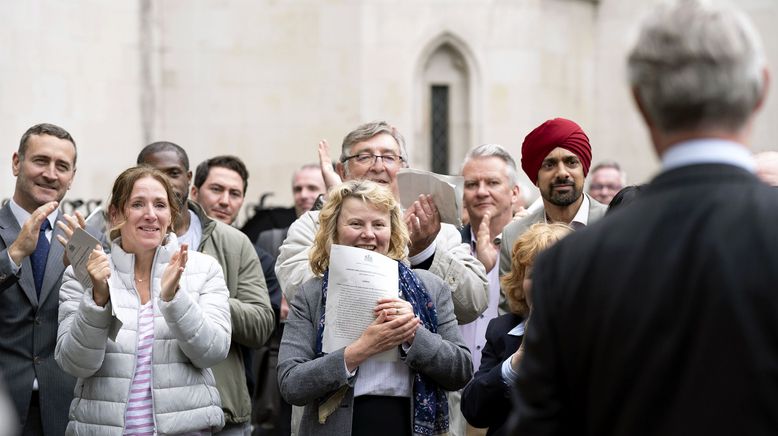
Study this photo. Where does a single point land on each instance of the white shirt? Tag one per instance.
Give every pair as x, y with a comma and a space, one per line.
474, 333
194, 234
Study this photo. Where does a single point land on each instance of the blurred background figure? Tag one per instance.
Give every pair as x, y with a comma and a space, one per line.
607, 178
767, 167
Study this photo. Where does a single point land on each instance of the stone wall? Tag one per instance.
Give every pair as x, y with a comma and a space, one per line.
265, 80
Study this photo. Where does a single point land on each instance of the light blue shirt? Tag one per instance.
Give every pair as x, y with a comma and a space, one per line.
508, 374
708, 151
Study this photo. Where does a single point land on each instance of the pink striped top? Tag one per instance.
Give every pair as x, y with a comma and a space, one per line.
139, 417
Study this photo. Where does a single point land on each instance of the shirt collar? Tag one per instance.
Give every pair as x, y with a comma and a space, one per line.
707, 151
518, 330
582, 216
22, 215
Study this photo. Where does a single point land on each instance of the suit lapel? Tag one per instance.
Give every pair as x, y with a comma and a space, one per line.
9, 231
54, 265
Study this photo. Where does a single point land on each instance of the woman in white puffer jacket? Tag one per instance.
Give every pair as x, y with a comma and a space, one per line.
155, 317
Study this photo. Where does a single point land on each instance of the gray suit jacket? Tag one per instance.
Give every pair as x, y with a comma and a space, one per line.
304, 378
514, 230
28, 332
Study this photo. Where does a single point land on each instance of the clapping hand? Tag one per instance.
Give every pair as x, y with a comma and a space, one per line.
68, 225
485, 250
172, 274
99, 269
331, 178
423, 221
27, 240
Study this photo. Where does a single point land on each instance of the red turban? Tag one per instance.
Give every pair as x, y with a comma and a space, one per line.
558, 132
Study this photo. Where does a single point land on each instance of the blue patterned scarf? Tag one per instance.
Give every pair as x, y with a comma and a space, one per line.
430, 405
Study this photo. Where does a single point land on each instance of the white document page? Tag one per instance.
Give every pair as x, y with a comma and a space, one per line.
358, 278
446, 192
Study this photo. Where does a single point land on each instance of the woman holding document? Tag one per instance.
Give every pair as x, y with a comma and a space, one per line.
152, 320
352, 390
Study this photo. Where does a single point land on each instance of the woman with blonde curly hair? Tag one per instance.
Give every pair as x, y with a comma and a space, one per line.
350, 391
485, 399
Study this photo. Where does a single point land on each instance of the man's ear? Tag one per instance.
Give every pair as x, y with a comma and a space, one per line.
515, 194
16, 163
340, 168
188, 178
193, 192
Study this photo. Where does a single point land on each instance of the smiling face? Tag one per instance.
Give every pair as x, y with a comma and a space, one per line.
488, 189
45, 172
146, 217
375, 170
561, 177
363, 225
221, 195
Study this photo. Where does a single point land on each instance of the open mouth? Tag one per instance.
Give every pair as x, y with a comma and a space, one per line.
148, 229
366, 247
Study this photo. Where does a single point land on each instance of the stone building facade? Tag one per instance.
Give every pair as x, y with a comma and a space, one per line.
266, 79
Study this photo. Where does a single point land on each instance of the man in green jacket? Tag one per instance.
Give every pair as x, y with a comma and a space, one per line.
252, 316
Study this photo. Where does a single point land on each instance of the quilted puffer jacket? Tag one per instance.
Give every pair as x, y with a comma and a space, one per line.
98, 345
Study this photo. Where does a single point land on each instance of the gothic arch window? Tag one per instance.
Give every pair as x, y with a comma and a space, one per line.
445, 126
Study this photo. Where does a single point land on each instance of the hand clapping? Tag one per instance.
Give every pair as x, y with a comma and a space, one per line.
172, 274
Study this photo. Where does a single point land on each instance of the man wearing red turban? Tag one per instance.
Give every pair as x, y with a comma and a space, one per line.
556, 157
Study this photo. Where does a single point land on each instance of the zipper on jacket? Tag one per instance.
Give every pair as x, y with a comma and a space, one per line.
137, 339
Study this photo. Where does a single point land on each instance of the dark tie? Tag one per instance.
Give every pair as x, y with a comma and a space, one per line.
39, 256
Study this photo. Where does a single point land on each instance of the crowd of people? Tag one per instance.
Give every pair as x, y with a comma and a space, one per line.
599, 309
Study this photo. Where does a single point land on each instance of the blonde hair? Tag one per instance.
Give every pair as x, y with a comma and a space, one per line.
369, 192
537, 238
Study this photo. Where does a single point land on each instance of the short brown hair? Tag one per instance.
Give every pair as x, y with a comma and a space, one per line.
537, 238
122, 189
371, 193
46, 129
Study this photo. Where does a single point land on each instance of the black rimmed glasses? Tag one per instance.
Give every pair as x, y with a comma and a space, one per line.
369, 159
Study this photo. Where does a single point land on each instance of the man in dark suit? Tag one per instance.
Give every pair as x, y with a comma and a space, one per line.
30, 274
661, 318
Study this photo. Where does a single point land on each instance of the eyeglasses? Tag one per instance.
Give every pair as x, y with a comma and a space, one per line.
368, 159
600, 187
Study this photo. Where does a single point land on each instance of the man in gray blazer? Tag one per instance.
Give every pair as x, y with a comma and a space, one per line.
556, 158
30, 275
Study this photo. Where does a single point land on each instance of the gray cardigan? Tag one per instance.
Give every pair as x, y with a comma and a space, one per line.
304, 379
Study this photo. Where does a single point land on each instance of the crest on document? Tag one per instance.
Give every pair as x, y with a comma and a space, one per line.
368, 258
